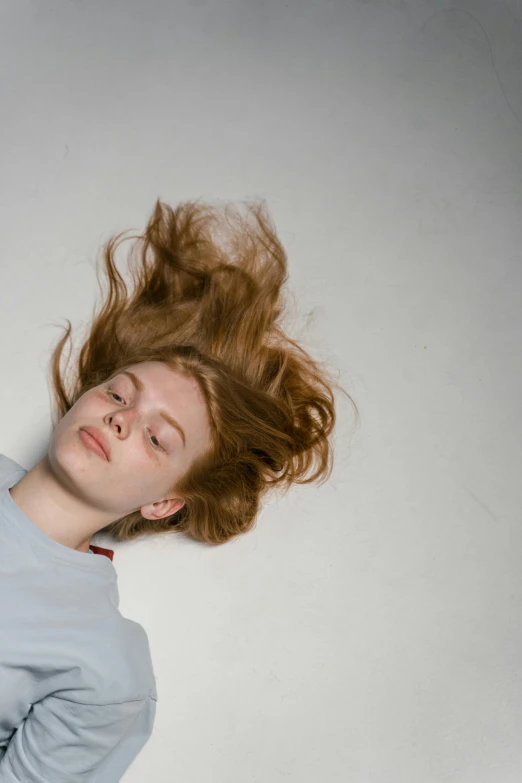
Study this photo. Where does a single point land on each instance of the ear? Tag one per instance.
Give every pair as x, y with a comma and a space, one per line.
162, 508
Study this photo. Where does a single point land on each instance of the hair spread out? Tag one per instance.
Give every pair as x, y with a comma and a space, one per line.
207, 300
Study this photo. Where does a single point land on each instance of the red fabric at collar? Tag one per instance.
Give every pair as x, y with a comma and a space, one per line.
99, 550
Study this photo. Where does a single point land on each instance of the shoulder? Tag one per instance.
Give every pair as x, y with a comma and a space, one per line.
120, 662
8, 468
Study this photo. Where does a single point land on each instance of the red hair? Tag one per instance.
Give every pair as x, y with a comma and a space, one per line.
207, 300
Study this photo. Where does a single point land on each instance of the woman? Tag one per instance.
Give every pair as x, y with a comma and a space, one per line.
186, 404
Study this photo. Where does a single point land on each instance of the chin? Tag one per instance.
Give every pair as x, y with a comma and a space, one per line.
68, 456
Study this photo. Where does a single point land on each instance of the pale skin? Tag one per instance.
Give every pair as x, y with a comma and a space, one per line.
72, 492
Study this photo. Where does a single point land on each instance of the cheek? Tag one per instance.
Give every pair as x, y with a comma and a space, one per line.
98, 399
91, 404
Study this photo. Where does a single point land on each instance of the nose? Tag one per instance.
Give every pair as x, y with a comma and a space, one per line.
122, 420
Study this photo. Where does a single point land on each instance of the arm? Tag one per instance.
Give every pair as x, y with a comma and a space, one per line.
62, 741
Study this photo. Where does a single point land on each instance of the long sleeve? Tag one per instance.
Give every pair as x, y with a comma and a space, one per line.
63, 741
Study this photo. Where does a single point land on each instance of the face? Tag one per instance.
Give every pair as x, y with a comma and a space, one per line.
154, 424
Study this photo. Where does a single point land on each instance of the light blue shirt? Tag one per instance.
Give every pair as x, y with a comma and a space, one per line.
77, 685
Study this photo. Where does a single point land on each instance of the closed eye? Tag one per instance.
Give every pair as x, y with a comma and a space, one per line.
153, 436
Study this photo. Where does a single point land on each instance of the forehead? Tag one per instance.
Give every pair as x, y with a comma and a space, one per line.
164, 382
159, 374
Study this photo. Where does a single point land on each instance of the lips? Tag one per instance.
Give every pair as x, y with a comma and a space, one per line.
100, 438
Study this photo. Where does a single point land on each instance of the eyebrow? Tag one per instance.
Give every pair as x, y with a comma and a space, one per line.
139, 385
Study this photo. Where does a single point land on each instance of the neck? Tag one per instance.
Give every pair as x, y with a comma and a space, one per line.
53, 508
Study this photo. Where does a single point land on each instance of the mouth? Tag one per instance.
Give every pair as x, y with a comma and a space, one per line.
92, 443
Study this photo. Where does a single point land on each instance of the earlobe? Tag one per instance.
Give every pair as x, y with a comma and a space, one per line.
163, 508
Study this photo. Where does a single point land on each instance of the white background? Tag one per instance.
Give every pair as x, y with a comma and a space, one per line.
367, 630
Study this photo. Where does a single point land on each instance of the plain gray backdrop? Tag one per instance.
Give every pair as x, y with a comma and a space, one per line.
367, 631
